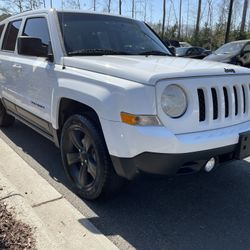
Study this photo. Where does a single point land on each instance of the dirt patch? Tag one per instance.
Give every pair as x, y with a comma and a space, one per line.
14, 234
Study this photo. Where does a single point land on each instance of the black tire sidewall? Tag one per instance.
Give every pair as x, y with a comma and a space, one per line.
95, 189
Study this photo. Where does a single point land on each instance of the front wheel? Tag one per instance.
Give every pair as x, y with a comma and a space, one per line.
86, 160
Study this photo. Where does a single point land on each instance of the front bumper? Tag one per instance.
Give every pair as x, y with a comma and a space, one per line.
170, 164
158, 150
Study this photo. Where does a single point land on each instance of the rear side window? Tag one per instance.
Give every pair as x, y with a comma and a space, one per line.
10, 37
37, 28
1, 29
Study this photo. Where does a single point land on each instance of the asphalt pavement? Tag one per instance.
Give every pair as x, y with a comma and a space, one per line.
198, 211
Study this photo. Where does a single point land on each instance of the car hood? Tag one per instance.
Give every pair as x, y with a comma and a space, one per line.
220, 57
149, 69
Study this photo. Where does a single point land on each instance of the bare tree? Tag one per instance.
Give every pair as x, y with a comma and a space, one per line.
244, 14
133, 9
229, 20
14, 6
197, 28
120, 7
179, 28
74, 4
187, 18
109, 6
163, 18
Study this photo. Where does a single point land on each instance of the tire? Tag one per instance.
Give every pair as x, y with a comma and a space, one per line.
5, 119
86, 160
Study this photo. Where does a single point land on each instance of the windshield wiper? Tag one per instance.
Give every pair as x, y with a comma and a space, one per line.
154, 53
96, 52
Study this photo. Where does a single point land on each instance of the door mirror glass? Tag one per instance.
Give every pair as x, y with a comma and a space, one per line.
31, 46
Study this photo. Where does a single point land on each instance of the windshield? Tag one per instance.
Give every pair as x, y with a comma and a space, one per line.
181, 51
95, 34
230, 48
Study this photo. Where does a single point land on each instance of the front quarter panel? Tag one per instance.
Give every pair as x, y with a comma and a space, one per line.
107, 95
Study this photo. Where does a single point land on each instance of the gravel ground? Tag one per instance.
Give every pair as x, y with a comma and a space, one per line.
14, 234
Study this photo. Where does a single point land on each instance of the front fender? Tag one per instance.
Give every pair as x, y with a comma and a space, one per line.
108, 96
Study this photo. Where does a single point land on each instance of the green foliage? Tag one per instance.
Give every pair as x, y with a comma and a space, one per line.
3, 16
209, 38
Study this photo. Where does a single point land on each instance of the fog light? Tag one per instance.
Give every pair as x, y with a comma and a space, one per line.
210, 165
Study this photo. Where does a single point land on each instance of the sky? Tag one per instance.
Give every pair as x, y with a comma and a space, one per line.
154, 10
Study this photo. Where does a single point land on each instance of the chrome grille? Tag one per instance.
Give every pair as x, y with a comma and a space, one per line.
223, 102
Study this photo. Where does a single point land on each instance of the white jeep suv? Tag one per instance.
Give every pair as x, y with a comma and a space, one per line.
115, 100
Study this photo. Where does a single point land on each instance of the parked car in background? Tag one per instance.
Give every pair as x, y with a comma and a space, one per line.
172, 43
192, 52
237, 52
185, 44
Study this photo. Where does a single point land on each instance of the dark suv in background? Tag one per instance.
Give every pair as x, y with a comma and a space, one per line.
237, 52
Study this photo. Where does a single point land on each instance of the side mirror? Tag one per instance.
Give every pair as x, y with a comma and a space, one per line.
31, 46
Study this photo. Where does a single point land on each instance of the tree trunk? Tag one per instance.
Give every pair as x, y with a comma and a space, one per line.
120, 7
163, 19
133, 9
244, 14
109, 6
179, 28
197, 28
229, 20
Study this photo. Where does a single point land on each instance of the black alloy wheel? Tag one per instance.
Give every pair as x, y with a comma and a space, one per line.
85, 158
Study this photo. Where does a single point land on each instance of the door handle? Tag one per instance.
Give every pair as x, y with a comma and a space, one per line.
17, 67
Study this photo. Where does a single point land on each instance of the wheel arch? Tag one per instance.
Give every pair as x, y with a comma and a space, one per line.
68, 107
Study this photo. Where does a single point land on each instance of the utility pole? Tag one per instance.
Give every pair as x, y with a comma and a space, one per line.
229, 20
120, 7
244, 14
179, 28
163, 19
197, 28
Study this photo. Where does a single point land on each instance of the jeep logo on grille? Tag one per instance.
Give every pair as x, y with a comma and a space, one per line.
229, 70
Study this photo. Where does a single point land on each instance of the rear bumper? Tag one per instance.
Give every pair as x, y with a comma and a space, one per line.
169, 164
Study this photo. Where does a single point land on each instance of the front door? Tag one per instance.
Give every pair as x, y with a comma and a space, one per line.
35, 78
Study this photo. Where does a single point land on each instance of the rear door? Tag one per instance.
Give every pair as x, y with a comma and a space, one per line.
8, 70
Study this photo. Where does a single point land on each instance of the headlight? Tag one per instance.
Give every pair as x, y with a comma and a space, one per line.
174, 101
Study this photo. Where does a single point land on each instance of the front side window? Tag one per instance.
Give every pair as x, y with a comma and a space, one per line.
230, 48
10, 37
37, 28
91, 34
247, 48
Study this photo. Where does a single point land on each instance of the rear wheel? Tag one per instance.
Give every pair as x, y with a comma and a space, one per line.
86, 160
5, 119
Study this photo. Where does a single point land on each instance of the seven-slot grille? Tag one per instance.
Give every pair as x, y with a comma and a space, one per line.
221, 102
